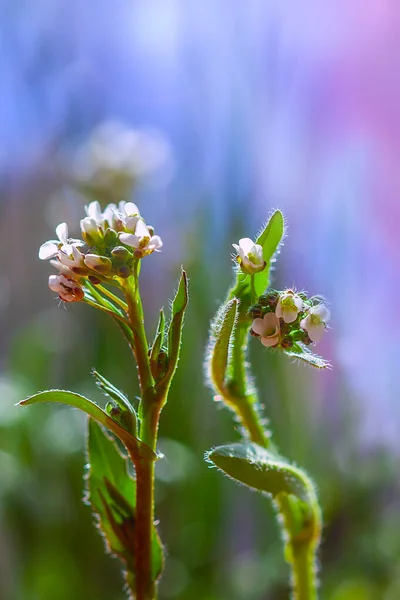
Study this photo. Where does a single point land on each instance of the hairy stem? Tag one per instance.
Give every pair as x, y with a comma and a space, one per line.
304, 580
145, 584
244, 402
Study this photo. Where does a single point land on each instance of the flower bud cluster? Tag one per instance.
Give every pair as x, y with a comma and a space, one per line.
281, 319
113, 241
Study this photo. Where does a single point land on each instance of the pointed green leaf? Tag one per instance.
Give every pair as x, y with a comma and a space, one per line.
111, 491
222, 332
94, 411
302, 353
180, 301
175, 327
111, 390
158, 338
270, 239
257, 468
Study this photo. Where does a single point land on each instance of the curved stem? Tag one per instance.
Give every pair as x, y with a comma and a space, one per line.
113, 297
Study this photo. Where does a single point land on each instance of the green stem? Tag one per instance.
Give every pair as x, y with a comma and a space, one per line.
244, 403
140, 347
113, 297
304, 580
145, 586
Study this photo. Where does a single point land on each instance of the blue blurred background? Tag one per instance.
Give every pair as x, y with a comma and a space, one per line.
244, 107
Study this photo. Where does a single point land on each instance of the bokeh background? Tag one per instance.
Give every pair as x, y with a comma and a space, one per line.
241, 107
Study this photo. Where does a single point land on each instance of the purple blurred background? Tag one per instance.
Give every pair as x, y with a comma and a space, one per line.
291, 105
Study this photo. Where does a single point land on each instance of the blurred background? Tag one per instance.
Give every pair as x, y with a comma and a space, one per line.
213, 113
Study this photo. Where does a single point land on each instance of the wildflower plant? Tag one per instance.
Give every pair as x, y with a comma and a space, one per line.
283, 321
102, 270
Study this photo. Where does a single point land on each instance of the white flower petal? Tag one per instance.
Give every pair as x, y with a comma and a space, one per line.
89, 226
155, 242
48, 250
93, 210
322, 311
270, 341
289, 314
54, 283
129, 239
316, 331
130, 223
131, 210
258, 326
62, 232
246, 245
141, 230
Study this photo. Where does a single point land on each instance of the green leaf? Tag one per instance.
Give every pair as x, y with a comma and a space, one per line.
158, 338
289, 486
257, 468
302, 353
94, 411
222, 332
269, 239
178, 307
111, 492
122, 410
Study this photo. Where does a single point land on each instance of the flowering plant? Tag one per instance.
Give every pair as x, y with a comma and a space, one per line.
286, 321
102, 270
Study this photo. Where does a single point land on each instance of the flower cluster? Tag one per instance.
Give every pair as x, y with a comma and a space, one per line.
282, 319
113, 240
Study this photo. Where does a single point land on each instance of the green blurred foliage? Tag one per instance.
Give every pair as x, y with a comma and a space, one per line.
222, 541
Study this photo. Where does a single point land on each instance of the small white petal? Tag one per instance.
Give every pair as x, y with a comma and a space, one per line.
288, 314
141, 230
322, 311
131, 210
155, 242
93, 210
129, 239
62, 232
316, 331
89, 226
258, 326
54, 283
48, 250
270, 341
130, 223
246, 245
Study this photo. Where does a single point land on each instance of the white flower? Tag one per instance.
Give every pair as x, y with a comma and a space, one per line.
268, 329
250, 256
288, 307
142, 241
50, 249
315, 321
130, 215
93, 211
89, 228
101, 264
67, 288
71, 257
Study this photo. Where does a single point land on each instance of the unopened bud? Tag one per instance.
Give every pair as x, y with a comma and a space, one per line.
121, 253
101, 264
